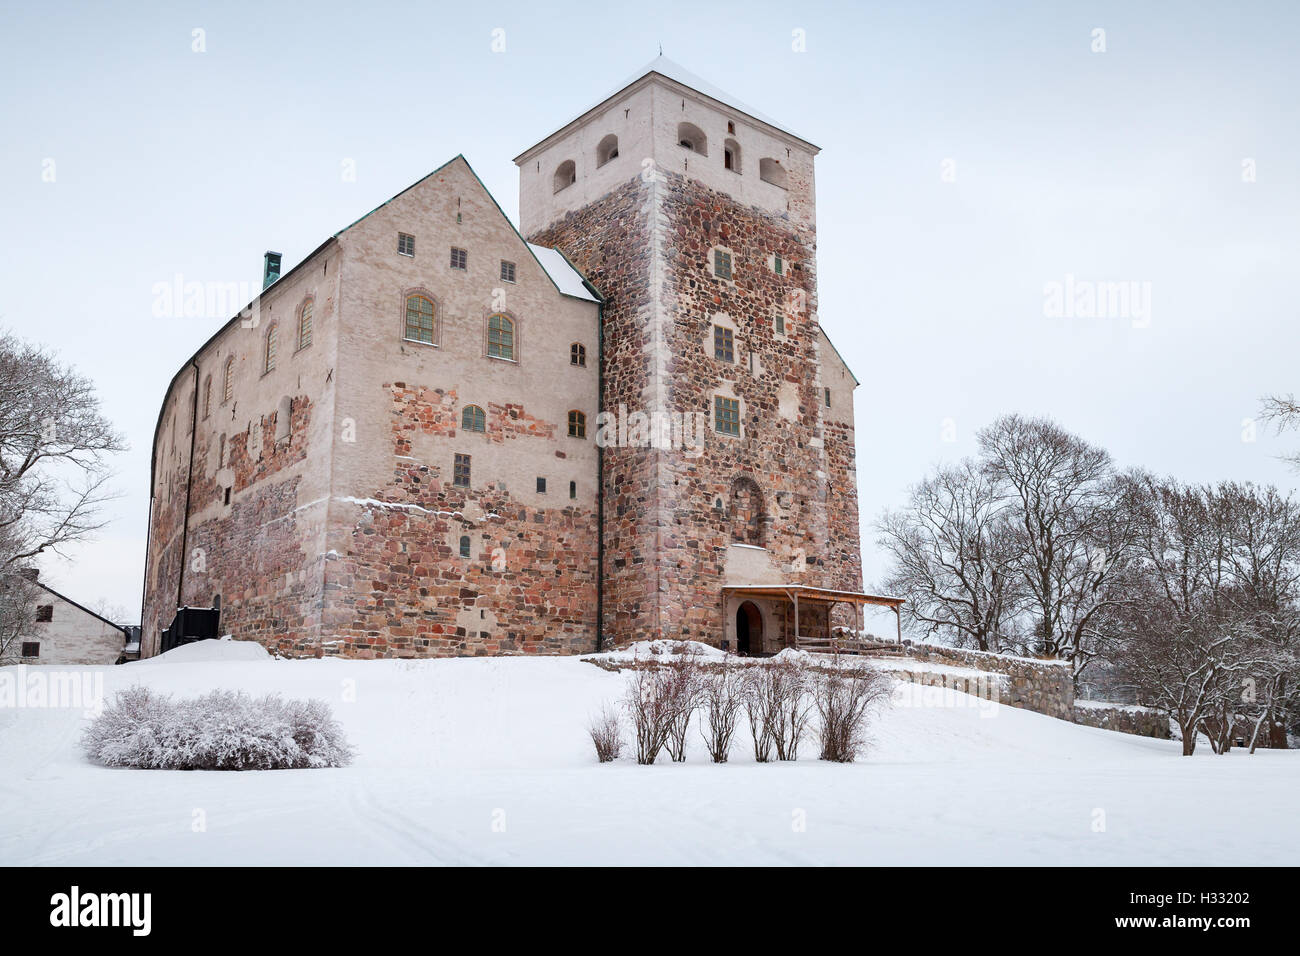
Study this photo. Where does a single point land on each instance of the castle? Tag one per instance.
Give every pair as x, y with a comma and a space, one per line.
438, 435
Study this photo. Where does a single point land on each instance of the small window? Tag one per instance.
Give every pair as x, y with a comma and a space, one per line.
228, 383
473, 419
541, 486
507, 271
459, 258
31, 648
464, 546
577, 425
501, 337
419, 319
828, 397
573, 489
723, 344
44, 613
304, 325
227, 498
731, 155
207, 396
726, 415
460, 471
779, 323
778, 264
272, 347
578, 354
722, 263
405, 244
566, 174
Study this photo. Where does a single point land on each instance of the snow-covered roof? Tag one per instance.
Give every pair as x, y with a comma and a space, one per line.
566, 278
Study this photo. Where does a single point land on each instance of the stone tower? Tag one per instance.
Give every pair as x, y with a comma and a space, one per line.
695, 217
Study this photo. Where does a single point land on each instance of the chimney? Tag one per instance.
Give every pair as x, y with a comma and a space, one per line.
31, 574
270, 268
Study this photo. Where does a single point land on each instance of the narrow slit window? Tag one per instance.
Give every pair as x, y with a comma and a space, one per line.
460, 471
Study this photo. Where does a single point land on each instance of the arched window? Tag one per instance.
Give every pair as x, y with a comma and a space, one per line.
690, 136
272, 345
771, 171
207, 396
566, 174
607, 149
473, 419
578, 354
577, 425
464, 546
304, 325
501, 337
228, 383
746, 512
731, 155
419, 319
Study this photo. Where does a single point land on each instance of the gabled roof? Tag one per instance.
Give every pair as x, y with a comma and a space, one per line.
81, 607
662, 66
566, 279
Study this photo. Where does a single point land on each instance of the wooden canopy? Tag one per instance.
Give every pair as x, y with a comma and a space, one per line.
796, 593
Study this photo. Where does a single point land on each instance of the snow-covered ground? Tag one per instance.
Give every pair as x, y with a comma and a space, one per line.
486, 761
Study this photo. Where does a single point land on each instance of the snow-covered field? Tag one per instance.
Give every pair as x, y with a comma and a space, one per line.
486, 761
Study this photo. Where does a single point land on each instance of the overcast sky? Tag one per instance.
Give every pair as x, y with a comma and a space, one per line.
971, 158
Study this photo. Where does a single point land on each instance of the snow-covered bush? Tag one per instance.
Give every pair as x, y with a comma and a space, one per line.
660, 700
845, 697
222, 730
606, 734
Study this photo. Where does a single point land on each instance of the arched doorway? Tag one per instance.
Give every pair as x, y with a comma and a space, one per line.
749, 629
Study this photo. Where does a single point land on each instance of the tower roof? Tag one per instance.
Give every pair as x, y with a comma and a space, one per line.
668, 69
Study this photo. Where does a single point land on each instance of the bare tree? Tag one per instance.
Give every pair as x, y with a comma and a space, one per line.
17, 613
54, 442
1283, 412
1073, 538
953, 558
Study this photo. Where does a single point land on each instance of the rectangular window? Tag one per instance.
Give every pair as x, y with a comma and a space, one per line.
726, 415
541, 486
723, 344
31, 648
44, 613
573, 489
779, 322
828, 398
721, 264
778, 265
507, 271
459, 258
405, 244
460, 472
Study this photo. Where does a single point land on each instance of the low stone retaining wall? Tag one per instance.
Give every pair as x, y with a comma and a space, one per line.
1043, 686
1127, 719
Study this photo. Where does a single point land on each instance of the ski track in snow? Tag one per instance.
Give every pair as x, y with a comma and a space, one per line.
487, 761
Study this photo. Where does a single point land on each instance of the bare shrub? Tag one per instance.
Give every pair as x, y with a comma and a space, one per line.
221, 730
684, 686
650, 705
607, 734
844, 698
779, 705
722, 694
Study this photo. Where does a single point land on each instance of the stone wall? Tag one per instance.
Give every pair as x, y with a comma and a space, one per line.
1043, 686
1126, 719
